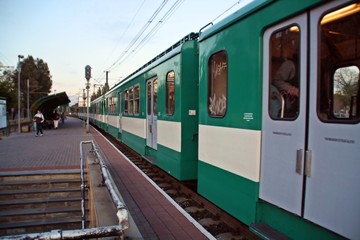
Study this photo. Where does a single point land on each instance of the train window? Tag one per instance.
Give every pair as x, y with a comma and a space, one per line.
217, 84
339, 58
136, 100
112, 105
284, 74
130, 102
170, 93
126, 101
155, 96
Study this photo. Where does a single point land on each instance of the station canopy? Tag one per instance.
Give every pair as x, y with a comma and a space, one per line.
47, 104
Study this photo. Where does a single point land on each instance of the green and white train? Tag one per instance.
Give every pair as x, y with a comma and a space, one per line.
262, 109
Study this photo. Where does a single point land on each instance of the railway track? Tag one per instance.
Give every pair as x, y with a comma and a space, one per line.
217, 222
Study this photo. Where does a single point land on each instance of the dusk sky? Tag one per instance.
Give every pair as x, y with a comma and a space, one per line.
109, 35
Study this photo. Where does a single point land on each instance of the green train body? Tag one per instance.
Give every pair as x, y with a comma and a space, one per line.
164, 130
271, 152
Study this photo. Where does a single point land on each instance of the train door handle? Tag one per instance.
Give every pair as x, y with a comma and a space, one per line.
299, 159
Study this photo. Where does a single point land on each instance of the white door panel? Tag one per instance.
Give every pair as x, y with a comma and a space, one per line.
283, 138
332, 197
151, 116
310, 163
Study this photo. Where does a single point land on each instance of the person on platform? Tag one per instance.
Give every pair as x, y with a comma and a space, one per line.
39, 119
56, 118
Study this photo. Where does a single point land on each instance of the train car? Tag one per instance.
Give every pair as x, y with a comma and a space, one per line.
110, 121
97, 111
154, 110
279, 117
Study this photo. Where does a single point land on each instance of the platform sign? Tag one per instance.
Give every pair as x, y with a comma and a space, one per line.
3, 121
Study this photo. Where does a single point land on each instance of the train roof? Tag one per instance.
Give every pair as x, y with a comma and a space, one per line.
168, 53
243, 12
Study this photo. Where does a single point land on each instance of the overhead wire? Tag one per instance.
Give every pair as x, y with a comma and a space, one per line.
160, 23
126, 54
138, 35
99, 78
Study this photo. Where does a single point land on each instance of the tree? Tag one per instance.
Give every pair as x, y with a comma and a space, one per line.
346, 82
8, 90
98, 93
38, 74
93, 96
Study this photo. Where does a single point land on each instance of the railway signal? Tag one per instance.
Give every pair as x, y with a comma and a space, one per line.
87, 72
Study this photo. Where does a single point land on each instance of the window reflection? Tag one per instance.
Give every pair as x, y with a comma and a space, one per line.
170, 93
284, 74
346, 82
136, 100
126, 101
217, 88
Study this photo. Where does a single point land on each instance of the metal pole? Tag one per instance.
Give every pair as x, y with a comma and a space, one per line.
87, 107
19, 70
28, 99
84, 105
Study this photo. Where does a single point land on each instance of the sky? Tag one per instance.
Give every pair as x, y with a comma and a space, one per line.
118, 36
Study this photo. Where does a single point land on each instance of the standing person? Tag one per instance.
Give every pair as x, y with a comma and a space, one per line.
39, 119
63, 117
56, 119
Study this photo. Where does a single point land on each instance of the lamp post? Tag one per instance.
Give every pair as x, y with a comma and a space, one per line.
87, 106
87, 76
84, 98
84, 105
19, 70
28, 99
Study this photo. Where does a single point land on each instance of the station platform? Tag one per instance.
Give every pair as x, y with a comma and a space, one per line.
153, 213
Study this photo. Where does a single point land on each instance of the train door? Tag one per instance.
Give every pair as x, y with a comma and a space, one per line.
332, 196
151, 115
284, 114
310, 145
120, 112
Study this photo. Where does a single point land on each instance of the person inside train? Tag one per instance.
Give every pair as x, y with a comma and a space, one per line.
285, 83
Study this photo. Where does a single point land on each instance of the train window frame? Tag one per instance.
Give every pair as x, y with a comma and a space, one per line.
108, 102
284, 55
114, 100
136, 103
170, 93
97, 109
131, 101
126, 100
113, 104
106, 105
217, 108
334, 40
